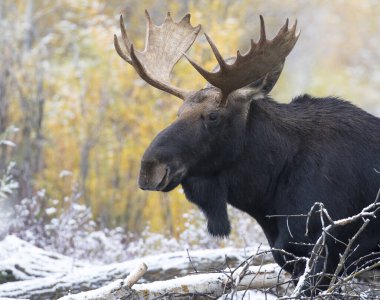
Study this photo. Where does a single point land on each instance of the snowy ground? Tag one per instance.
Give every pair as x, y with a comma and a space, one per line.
41, 274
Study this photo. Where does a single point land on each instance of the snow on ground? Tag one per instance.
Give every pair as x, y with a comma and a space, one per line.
41, 263
29, 263
38, 262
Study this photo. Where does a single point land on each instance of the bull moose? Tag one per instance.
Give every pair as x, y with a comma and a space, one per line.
232, 143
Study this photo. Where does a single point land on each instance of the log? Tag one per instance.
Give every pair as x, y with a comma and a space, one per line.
41, 274
20, 260
120, 289
204, 285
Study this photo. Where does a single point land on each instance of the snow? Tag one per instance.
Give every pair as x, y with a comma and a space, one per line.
29, 264
50, 211
212, 284
39, 263
71, 229
65, 173
7, 184
98, 293
7, 143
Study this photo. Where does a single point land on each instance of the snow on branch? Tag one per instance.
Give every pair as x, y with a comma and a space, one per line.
206, 285
365, 215
20, 260
38, 274
120, 289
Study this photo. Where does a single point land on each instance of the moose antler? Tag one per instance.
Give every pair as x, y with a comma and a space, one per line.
165, 45
262, 58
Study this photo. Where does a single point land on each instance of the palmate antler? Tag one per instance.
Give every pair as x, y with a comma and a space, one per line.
263, 57
165, 45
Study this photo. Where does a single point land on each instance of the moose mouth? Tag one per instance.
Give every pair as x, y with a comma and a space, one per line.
170, 180
164, 182
160, 177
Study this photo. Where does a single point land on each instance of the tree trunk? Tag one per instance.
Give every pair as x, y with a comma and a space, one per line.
28, 40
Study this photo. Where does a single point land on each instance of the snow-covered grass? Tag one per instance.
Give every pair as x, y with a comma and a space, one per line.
67, 228
70, 229
245, 232
7, 184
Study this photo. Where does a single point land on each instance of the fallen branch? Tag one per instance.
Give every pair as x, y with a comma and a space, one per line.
207, 285
20, 260
367, 212
120, 289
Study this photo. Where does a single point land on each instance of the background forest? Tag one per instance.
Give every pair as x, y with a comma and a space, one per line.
75, 119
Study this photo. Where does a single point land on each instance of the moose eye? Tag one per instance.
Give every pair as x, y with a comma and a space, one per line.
213, 116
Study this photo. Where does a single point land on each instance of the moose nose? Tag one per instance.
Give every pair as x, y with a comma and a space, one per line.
152, 175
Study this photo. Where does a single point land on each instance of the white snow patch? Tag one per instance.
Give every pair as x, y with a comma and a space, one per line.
50, 211
65, 173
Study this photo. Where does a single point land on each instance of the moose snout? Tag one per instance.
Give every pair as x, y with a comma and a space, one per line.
153, 175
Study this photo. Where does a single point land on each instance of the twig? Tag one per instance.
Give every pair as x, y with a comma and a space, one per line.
191, 262
346, 252
135, 275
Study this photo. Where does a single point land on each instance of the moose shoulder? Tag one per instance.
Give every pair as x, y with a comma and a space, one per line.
232, 143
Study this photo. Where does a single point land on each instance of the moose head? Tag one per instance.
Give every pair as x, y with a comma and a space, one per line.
208, 134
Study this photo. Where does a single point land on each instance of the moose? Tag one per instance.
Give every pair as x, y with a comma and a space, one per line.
233, 144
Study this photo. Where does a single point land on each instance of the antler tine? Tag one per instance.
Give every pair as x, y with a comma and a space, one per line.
185, 19
164, 46
264, 57
124, 34
168, 17
120, 51
126, 42
253, 45
148, 18
197, 67
294, 28
263, 35
216, 52
284, 28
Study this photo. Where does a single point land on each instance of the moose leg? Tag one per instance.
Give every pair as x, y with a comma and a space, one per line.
211, 197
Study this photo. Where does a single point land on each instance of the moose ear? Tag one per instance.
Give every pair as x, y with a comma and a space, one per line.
265, 84
261, 86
